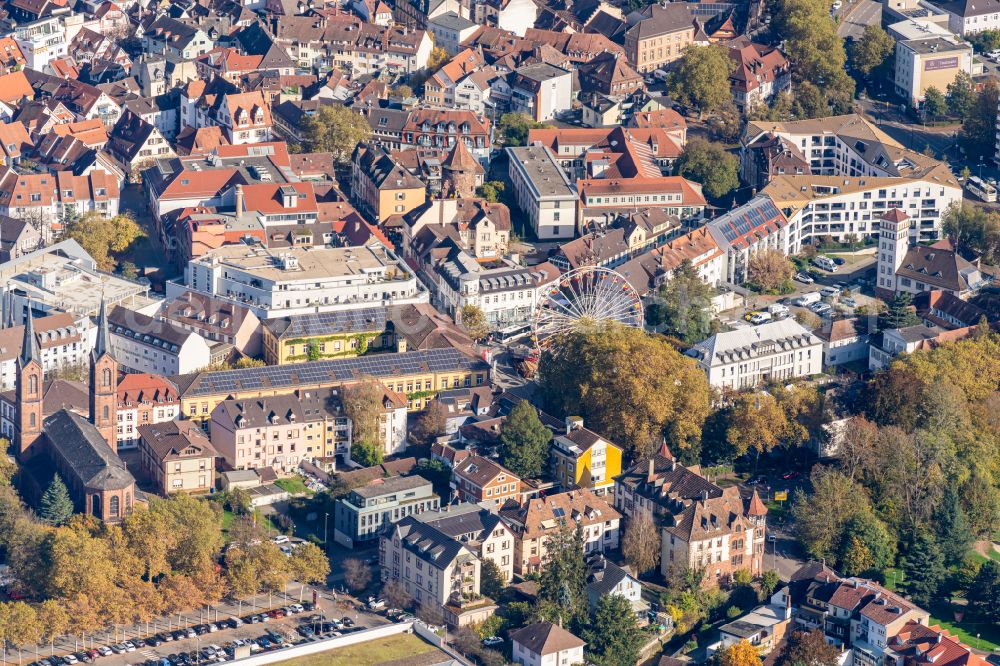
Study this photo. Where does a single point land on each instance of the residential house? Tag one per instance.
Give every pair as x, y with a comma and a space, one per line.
367, 513
244, 118
482, 227
583, 459
477, 479
17, 237
541, 91
144, 344
381, 187
762, 72
479, 529
144, 399
765, 627
607, 578
215, 320
450, 30
177, 456
169, 36
544, 644
338, 334
535, 521
610, 74
756, 226
891, 343
658, 35
136, 144
844, 341
443, 127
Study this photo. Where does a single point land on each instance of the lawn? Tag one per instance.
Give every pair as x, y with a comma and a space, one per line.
370, 653
295, 485
989, 639
228, 517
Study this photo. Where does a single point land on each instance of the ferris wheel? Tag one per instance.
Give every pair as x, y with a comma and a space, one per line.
583, 298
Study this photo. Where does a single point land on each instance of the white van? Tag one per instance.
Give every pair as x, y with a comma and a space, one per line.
778, 310
808, 299
759, 318
826, 263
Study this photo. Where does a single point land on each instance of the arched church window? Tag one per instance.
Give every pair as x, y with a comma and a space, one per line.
114, 506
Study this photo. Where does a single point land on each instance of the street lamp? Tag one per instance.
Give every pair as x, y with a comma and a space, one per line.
326, 517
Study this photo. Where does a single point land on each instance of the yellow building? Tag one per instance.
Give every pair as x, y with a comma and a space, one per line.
381, 187
418, 375
660, 36
328, 335
583, 459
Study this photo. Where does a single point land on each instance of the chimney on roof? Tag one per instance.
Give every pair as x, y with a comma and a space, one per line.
651, 475
704, 496
239, 200
788, 605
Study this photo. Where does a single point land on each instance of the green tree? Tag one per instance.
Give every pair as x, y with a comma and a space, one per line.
515, 126
899, 314
701, 79
934, 103
474, 321
613, 635
239, 501
633, 388
524, 441
491, 190
366, 454
961, 95
711, 165
952, 527
984, 593
56, 505
866, 543
104, 238
769, 583
684, 305
564, 577
363, 405
979, 125
974, 228
981, 500
820, 516
491, 582
335, 129
810, 649
924, 568
872, 49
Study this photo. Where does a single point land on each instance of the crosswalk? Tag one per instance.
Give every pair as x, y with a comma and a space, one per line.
148, 654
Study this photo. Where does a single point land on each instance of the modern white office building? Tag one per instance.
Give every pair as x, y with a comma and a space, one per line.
543, 192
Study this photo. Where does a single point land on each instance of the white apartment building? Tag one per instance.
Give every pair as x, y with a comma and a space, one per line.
541, 91
754, 227
144, 344
846, 208
63, 342
967, 17
41, 42
479, 529
450, 30
302, 280
543, 192
746, 358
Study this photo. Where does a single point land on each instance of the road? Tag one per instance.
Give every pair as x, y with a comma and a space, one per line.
856, 16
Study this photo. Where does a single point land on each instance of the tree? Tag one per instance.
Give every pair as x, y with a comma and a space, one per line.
739, 654
432, 423
53, 619
857, 446
979, 125
631, 387
981, 500
820, 517
974, 228
335, 129
756, 423
641, 542
900, 313
769, 581
564, 578
19, 624
363, 405
437, 59
150, 536
726, 123
515, 127
197, 527
934, 103
866, 543
395, 595
104, 238
872, 49
357, 575
402, 91
810, 648
309, 564
474, 321
984, 594
924, 568
491, 190
613, 635
239, 501
491, 582
770, 270
683, 305
961, 95
524, 441
56, 505
951, 525
711, 165
701, 79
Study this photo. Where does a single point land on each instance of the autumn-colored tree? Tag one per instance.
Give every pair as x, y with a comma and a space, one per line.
431, 423
474, 321
197, 526
150, 536
336, 129
740, 654
810, 649
102, 237
53, 619
437, 59
357, 575
756, 423
770, 270
363, 405
641, 542
396, 596
180, 593
310, 564
857, 446
631, 387
19, 624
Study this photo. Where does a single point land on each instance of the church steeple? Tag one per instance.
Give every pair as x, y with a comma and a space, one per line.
28, 391
104, 383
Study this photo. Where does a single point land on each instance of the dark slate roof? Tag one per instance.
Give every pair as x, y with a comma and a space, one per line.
80, 444
462, 520
428, 543
364, 320
603, 582
544, 638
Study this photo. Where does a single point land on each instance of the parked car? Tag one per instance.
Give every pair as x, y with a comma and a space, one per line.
280, 539
129, 646
251, 619
347, 622
829, 291
840, 261
804, 277
104, 651
849, 302
492, 641
70, 659
154, 641
788, 476
759, 318
296, 608
376, 604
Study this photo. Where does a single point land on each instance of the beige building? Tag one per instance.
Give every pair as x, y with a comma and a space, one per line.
535, 521
434, 568
480, 530
660, 36
929, 62
282, 431
381, 187
177, 457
